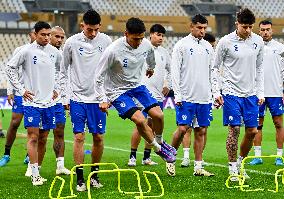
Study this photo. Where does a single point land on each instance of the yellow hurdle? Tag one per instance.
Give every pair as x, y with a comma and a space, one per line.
242, 179
115, 170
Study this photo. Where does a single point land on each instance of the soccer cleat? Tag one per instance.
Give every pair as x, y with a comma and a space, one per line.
95, 182
256, 161
4, 160
202, 172
26, 160
81, 186
170, 148
63, 171
148, 161
245, 174
185, 162
2, 135
234, 175
28, 171
132, 162
166, 154
43, 179
171, 169
279, 162
37, 180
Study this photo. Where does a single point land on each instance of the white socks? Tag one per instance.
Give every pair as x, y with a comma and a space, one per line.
159, 138
186, 153
257, 150
233, 167
156, 146
197, 165
280, 152
34, 167
60, 162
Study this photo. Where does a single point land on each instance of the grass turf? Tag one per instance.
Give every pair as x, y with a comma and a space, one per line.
13, 183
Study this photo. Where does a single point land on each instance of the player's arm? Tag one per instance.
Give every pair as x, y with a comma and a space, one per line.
150, 60
176, 63
215, 71
63, 74
12, 72
105, 62
57, 74
168, 79
260, 76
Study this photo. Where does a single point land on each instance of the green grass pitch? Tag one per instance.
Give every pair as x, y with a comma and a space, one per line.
13, 183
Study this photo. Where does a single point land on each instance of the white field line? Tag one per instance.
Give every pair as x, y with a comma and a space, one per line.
209, 164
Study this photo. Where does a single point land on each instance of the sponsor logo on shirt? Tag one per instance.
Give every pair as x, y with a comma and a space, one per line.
81, 49
125, 62
191, 51
236, 47
100, 49
34, 59
254, 45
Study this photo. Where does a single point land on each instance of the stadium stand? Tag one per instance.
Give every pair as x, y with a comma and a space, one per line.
12, 6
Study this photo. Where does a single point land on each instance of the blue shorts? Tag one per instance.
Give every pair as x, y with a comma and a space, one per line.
275, 105
126, 106
43, 118
188, 111
87, 113
161, 104
18, 105
235, 108
60, 116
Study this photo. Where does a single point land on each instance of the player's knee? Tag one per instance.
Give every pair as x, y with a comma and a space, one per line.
182, 130
79, 138
278, 125
98, 138
139, 121
15, 123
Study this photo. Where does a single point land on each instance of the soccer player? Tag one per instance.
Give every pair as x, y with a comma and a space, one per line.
273, 90
186, 139
1, 133
40, 62
240, 55
192, 58
15, 100
56, 40
81, 54
157, 86
120, 80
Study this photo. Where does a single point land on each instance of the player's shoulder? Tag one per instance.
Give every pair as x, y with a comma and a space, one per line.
73, 38
104, 37
257, 38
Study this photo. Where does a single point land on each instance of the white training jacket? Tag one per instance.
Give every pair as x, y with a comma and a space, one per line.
10, 89
273, 63
121, 68
241, 60
191, 64
82, 56
162, 75
39, 67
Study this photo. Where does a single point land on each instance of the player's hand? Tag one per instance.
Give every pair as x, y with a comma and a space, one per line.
219, 101
11, 99
104, 106
55, 95
149, 72
67, 107
165, 91
260, 101
28, 96
179, 103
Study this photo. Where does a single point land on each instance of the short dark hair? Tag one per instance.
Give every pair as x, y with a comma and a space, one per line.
41, 25
158, 28
91, 17
199, 19
245, 16
209, 37
135, 26
265, 22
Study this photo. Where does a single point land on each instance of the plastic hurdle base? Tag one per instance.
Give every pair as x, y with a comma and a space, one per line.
241, 178
139, 194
